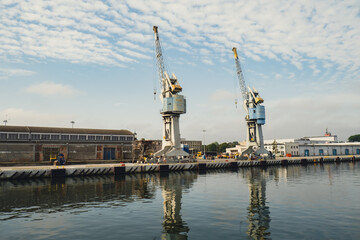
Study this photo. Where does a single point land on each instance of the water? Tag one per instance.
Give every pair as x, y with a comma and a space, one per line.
296, 202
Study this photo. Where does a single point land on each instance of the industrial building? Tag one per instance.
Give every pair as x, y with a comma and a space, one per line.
42, 144
326, 145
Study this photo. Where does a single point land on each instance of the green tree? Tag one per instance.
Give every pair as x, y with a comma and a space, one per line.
220, 148
354, 138
213, 147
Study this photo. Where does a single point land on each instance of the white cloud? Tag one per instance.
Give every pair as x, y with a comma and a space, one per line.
84, 32
19, 116
51, 89
222, 95
6, 73
309, 115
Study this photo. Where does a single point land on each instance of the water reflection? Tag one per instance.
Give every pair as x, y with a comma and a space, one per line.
172, 188
22, 198
258, 212
26, 198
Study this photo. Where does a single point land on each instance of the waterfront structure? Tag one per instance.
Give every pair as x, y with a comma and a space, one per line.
147, 148
255, 114
174, 104
41, 144
326, 145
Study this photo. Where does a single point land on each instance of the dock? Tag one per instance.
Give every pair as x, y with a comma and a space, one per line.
25, 172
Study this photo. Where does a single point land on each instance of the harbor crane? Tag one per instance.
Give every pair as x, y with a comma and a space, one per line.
255, 114
173, 104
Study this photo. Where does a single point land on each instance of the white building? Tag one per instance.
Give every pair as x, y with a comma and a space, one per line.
237, 150
330, 149
327, 145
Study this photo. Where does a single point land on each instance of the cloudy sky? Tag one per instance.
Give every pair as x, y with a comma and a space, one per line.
93, 62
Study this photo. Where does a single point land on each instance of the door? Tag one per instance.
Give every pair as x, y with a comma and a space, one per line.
334, 152
109, 153
321, 152
306, 152
346, 151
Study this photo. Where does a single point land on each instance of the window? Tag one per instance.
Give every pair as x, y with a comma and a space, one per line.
99, 138
130, 139
65, 137
321, 152
74, 137
35, 136
347, 151
122, 138
13, 136
3, 135
107, 138
45, 136
115, 138
358, 151
82, 137
91, 137
24, 136
55, 137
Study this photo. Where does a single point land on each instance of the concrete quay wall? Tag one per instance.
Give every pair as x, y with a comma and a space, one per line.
132, 168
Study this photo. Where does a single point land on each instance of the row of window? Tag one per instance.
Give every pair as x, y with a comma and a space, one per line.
334, 152
35, 136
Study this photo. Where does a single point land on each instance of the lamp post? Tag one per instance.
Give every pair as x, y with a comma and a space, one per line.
72, 124
204, 143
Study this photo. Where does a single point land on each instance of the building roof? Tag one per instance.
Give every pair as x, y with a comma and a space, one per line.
31, 129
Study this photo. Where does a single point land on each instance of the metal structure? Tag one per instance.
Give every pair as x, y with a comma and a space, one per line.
173, 103
255, 114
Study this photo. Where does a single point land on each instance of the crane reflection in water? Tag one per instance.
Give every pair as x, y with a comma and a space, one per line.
23, 198
258, 212
173, 186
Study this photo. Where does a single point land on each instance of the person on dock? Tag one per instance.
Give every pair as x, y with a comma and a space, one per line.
60, 160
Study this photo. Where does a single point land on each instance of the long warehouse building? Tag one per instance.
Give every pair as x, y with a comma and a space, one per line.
43, 144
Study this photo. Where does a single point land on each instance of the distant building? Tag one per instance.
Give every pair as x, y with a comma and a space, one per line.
237, 150
194, 145
39, 144
327, 145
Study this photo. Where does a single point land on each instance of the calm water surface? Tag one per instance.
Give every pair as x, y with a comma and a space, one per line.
296, 202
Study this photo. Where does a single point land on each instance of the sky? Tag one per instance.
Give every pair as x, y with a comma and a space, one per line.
93, 62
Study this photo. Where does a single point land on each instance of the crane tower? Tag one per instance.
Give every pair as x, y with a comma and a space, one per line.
173, 103
255, 114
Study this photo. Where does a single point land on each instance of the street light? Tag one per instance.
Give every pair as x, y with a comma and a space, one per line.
5, 121
204, 142
72, 124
